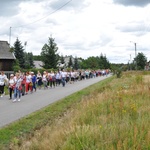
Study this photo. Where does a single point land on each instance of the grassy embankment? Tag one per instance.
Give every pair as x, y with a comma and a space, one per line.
112, 114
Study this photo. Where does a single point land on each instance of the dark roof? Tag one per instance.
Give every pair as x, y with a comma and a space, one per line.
5, 51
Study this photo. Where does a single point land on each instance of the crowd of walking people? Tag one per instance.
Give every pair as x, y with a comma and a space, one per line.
22, 83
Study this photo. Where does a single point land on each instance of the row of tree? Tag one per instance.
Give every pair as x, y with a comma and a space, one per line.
51, 58
139, 63
23, 60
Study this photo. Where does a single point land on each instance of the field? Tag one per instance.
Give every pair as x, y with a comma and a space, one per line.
112, 114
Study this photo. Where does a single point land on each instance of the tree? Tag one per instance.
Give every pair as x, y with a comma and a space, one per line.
12, 49
62, 60
16, 66
83, 64
70, 63
49, 54
37, 57
100, 62
92, 63
29, 60
141, 61
103, 62
19, 53
76, 63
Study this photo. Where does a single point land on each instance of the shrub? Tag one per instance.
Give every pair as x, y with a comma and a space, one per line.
118, 73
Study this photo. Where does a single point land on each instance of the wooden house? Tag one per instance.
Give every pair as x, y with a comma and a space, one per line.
6, 57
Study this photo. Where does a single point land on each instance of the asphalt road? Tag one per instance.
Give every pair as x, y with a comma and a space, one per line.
12, 111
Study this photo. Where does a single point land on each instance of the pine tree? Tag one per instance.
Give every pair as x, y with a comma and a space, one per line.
76, 63
141, 61
92, 62
49, 54
19, 53
29, 60
62, 60
106, 63
70, 63
103, 62
16, 66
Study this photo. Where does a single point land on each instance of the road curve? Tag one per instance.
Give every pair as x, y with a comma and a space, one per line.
10, 111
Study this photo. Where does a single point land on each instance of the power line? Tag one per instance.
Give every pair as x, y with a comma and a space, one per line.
59, 8
44, 16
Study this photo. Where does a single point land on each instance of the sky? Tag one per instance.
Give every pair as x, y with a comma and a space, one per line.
81, 28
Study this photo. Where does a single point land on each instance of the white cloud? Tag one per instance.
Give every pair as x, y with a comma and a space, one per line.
82, 28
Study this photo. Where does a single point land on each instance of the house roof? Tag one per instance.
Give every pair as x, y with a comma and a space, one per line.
5, 51
38, 64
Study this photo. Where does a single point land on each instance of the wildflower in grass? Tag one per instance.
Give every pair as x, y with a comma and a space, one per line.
124, 111
112, 127
117, 92
134, 109
126, 86
133, 106
100, 126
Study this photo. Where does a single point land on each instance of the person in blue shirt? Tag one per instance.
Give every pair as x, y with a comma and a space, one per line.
33, 76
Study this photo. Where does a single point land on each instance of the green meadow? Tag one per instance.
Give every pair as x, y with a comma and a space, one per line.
113, 114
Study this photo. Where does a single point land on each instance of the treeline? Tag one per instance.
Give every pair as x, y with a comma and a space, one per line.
52, 60
23, 59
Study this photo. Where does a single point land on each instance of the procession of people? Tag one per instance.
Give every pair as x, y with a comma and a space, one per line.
23, 83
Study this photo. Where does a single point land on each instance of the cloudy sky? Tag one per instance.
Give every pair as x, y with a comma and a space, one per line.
81, 28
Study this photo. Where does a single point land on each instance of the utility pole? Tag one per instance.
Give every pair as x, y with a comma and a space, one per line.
135, 55
10, 36
130, 61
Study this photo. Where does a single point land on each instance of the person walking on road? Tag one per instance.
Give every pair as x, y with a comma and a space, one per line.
39, 80
44, 79
23, 83
17, 88
52, 79
58, 78
28, 83
63, 78
11, 85
33, 77
3, 81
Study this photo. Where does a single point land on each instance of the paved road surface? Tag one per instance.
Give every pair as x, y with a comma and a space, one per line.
10, 111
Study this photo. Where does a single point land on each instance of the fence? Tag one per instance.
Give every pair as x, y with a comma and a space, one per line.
8, 73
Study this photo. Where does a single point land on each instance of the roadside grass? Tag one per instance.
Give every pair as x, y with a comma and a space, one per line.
112, 114
13, 135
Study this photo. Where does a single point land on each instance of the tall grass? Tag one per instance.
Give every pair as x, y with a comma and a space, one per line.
115, 116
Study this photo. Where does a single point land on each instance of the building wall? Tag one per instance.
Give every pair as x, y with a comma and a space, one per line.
6, 64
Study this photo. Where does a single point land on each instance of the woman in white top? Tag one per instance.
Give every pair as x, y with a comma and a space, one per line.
3, 80
72, 74
28, 82
52, 79
44, 79
17, 88
58, 78
39, 79
11, 85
